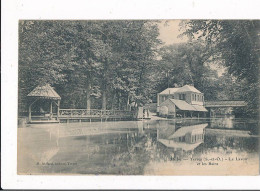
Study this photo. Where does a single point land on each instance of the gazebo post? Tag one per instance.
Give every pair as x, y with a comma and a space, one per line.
58, 110
30, 112
51, 107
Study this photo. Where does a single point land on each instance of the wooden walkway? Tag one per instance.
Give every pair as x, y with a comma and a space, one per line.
78, 115
43, 121
227, 103
94, 114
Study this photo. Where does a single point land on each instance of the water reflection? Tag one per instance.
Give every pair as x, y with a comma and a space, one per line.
130, 147
185, 138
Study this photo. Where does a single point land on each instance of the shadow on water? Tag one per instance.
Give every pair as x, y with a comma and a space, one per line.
130, 147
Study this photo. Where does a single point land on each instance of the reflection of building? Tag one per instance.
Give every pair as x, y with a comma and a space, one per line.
182, 101
185, 138
222, 123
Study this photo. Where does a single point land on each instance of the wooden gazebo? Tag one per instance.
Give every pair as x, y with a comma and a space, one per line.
44, 92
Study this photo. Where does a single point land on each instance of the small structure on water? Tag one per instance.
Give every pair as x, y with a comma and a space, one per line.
38, 99
183, 101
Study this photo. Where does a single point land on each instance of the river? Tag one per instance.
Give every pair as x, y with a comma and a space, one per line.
221, 146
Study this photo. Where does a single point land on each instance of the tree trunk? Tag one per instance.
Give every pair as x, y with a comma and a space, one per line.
104, 100
127, 104
119, 101
88, 96
114, 100
104, 82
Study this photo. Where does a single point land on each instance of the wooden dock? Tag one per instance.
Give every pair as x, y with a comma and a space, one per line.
43, 121
85, 115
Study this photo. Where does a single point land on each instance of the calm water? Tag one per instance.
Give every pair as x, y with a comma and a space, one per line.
164, 147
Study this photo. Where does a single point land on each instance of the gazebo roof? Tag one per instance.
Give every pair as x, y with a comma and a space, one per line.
46, 92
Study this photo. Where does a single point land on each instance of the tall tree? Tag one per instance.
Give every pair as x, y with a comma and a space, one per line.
237, 43
87, 60
188, 63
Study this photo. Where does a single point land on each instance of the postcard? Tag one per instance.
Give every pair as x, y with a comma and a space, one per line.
138, 97
101, 95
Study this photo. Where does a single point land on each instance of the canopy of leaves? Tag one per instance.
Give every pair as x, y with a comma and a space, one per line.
87, 58
236, 43
188, 63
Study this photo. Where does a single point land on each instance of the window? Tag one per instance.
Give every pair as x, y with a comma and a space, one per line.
163, 98
182, 96
195, 97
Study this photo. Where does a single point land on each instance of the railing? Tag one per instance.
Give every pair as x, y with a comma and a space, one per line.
69, 113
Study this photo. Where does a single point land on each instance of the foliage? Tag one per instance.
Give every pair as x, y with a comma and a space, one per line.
115, 64
87, 60
188, 63
236, 43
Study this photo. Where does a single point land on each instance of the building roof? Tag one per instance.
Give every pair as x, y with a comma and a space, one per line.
186, 88
200, 108
169, 90
193, 129
181, 145
183, 105
45, 91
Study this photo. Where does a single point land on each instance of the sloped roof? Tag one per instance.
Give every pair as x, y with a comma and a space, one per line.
182, 105
182, 145
45, 91
194, 129
200, 108
188, 88
169, 90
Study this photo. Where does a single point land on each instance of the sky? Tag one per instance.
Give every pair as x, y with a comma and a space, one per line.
169, 30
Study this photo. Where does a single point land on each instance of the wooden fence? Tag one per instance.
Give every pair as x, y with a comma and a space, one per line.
94, 113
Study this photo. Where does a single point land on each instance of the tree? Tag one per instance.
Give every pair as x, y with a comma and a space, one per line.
60, 53
129, 51
188, 63
88, 60
237, 46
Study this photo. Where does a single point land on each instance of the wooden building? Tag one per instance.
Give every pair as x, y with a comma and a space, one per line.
183, 101
42, 101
